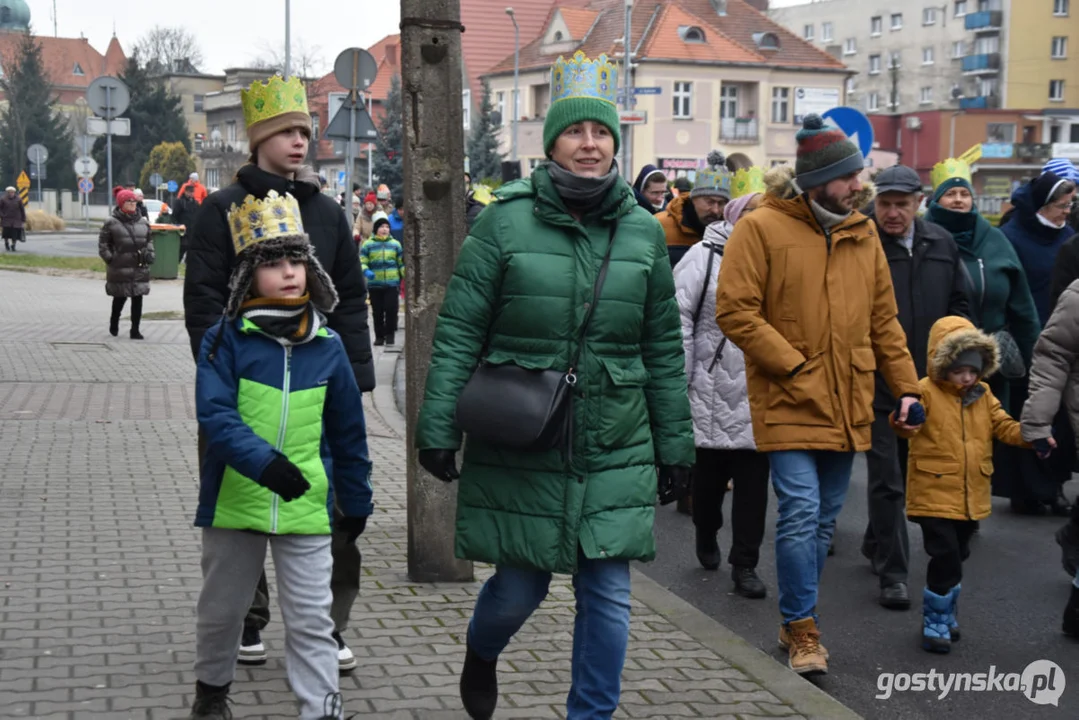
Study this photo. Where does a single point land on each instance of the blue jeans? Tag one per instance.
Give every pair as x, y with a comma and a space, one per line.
600, 632
810, 488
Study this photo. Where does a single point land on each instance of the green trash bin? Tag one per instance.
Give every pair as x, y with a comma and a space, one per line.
166, 265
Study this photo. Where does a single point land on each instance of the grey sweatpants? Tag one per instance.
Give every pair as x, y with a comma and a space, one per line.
231, 563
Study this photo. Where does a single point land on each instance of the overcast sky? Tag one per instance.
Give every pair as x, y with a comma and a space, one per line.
231, 32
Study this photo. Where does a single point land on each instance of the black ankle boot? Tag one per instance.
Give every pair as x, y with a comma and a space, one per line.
1071, 614
114, 326
136, 335
707, 550
479, 686
747, 583
211, 702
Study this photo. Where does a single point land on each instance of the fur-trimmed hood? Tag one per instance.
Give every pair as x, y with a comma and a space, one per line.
298, 248
782, 192
950, 337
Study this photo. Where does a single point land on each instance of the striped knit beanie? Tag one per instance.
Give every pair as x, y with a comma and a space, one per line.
1062, 167
824, 154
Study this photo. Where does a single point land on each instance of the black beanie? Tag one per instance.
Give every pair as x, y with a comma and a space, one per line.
969, 358
379, 223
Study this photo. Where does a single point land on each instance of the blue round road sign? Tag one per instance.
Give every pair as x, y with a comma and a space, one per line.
172, 186
855, 125
86, 185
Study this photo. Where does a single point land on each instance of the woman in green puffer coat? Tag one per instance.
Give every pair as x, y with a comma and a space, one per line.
522, 285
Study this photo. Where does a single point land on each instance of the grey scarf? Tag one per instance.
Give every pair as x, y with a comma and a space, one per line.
825, 217
579, 193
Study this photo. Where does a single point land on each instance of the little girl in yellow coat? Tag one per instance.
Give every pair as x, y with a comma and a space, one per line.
951, 463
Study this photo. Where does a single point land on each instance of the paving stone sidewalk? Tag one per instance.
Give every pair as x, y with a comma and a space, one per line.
99, 564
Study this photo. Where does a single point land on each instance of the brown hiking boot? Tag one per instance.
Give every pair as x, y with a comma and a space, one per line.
807, 657
785, 641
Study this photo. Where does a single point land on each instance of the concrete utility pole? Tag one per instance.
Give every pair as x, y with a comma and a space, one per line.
627, 89
434, 230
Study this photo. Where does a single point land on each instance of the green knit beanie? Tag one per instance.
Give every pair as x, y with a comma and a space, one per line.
571, 110
950, 183
824, 154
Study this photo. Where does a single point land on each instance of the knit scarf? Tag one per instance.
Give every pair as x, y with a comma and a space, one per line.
826, 217
290, 321
578, 192
960, 224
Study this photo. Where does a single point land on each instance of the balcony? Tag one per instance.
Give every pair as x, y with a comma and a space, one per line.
985, 21
739, 131
1033, 152
985, 64
983, 102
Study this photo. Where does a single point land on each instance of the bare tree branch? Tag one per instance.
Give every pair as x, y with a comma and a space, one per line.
169, 49
307, 61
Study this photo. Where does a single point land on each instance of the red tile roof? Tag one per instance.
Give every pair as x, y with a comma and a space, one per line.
732, 36
61, 55
665, 43
578, 21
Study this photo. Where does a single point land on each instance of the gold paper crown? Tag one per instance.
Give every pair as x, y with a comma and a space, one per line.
257, 221
581, 77
948, 169
747, 181
275, 97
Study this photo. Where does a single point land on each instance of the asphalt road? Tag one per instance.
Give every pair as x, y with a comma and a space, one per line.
64, 244
1014, 592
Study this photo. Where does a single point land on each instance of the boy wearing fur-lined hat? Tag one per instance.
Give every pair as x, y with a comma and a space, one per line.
951, 462
281, 411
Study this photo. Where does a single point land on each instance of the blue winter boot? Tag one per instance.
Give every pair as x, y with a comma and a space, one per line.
954, 626
936, 621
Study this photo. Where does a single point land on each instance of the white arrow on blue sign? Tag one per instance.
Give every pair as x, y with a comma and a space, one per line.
855, 125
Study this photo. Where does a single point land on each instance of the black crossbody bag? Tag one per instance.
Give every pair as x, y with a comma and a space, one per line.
514, 407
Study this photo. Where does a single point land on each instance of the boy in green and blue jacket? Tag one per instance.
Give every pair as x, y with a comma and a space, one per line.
383, 261
278, 403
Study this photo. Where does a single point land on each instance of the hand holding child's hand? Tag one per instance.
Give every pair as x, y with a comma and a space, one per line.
1044, 447
910, 413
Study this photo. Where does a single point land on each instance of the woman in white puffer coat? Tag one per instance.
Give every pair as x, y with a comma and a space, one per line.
721, 422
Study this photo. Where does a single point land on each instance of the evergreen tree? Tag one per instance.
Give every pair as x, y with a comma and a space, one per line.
484, 159
171, 161
32, 116
156, 117
389, 157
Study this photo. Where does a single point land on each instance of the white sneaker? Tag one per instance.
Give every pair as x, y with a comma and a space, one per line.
252, 651
346, 661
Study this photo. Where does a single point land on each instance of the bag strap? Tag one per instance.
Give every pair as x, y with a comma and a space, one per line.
707, 281
596, 291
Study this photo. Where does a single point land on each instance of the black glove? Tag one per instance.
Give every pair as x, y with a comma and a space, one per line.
440, 463
351, 526
674, 483
1043, 448
284, 478
915, 415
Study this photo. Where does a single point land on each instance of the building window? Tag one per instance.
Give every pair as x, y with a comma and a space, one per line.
927, 56
1056, 90
77, 70
896, 60
683, 100
314, 127
926, 96
1000, 132
826, 31
987, 44
850, 86
694, 34
500, 106
1054, 134
230, 131
1073, 134
1060, 48
728, 101
988, 87
874, 64
850, 47
929, 16
809, 31
876, 24
212, 177
897, 21
781, 105
1060, 8
215, 134
199, 100
959, 49
960, 8
466, 108
872, 102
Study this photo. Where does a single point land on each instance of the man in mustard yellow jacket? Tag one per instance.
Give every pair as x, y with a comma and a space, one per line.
806, 293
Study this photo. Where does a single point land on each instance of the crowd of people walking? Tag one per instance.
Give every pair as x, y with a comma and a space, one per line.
603, 347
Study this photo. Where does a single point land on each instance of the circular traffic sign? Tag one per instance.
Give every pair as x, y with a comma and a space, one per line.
37, 154
108, 96
86, 185
85, 166
156, 179
355, 69
172, 186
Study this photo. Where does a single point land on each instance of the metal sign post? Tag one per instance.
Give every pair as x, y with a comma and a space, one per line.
109, 98
38, 156
355, 69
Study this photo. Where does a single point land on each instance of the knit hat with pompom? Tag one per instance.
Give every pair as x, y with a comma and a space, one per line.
715, 180
824, 154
